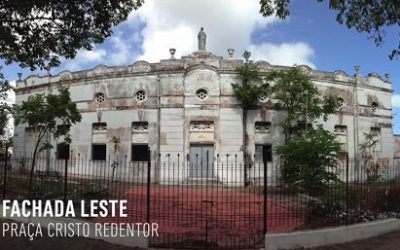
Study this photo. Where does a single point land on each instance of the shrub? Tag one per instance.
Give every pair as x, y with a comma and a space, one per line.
309, 159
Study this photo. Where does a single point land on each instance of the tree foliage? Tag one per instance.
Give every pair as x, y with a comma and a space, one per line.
367, 16
248, 93
6, 110
36, 33
309, 159
252, 86
367, 149
299, 98
48, 114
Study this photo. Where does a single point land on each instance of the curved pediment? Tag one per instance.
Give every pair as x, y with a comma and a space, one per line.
263, 65
140, 67
98, 71
305, 69
202, 66
65, 75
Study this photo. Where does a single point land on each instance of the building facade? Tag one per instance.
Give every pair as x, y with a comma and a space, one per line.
185, 110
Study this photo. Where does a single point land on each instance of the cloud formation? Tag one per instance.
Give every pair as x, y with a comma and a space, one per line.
284, 54
85, 57
159, 25
395, 101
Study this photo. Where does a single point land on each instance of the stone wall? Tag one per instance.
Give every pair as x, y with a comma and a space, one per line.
180, 93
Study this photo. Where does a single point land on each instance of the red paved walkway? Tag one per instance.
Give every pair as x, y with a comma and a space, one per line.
223, 216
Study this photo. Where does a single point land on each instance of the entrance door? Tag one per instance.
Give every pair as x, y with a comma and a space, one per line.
201, 161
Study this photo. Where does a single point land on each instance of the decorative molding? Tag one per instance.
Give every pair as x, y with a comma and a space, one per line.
262, 127
263, 65
98, 71
140, 66
65, 76
201, 126
341, 73
100, 127
140, 127
341, 130
307, 70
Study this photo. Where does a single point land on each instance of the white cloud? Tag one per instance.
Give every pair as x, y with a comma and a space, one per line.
284, 54
175, 23
11, 93
86, 56
159, 25
396, 101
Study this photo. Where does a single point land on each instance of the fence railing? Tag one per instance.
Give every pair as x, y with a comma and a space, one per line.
209, 201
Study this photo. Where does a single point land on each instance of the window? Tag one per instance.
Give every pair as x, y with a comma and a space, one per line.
201, 94
341, 133
340, 102
100, 97
263, 153
141, 96
140, 134
262, 98
140, 152
99, 127
340, 130
63, 127
99, 152
62, 151
262, 127
374, 106
140, 126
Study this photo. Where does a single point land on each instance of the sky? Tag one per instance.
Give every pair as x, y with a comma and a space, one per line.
309, 36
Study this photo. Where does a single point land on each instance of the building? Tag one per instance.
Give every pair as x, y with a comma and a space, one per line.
8, 99
184, 109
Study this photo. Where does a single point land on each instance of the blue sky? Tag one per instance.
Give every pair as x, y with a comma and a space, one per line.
310, 36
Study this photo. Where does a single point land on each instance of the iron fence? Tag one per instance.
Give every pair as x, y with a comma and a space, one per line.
208, 204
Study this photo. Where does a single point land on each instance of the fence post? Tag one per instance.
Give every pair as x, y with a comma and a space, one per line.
148, 186
65, 180
265, 198
347, 189
5, 174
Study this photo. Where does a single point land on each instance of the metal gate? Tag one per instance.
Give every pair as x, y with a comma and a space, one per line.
220, 212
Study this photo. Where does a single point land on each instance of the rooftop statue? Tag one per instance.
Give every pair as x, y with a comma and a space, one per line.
202, 39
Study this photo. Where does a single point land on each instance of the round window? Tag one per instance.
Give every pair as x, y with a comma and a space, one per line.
100, 97
141, 95
201, 94
374, 106
262, 98
340, 102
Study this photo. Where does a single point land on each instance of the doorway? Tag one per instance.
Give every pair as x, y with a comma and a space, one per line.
201, 160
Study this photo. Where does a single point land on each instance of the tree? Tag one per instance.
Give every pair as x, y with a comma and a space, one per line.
248, 92
367, 149
299, 98
307, 154
310, 158
47, 114
5, 111
367, 16
36, 33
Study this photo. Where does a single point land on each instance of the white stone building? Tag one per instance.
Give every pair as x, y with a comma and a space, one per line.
186, 106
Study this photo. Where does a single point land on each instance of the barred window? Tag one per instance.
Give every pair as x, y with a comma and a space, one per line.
100, 97
141, 96
201, 94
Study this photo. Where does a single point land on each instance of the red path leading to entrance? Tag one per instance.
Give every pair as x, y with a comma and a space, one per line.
222, 216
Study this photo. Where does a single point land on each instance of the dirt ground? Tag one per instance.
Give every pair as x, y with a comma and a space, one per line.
389, 241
